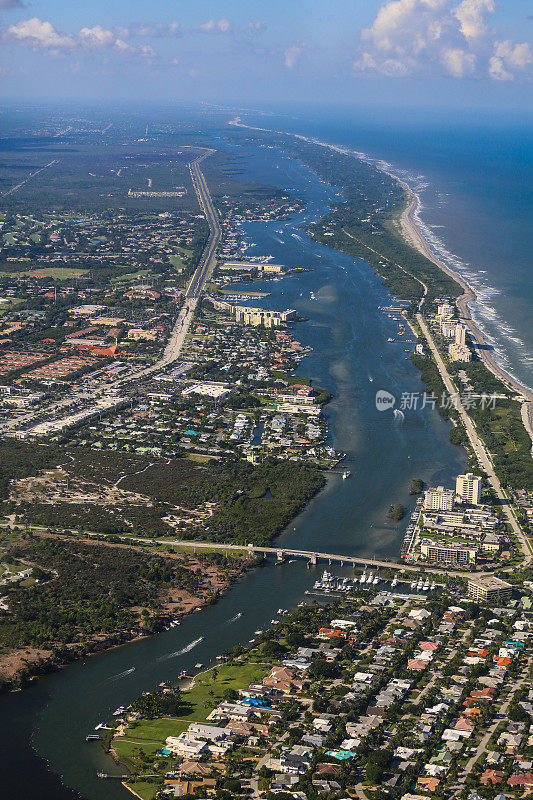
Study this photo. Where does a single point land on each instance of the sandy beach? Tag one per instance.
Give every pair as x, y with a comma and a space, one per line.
414, 237
412, 234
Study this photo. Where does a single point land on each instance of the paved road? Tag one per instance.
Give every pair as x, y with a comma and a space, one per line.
478, 445
30, 176
203, 272
500, 715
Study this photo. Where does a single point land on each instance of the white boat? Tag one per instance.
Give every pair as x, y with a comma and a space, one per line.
419, 585
426, 586
362, 579
198, 666
258, 633
394, 582
376, 581
370, 378
413, 584
346, 474
370, 577
433, 586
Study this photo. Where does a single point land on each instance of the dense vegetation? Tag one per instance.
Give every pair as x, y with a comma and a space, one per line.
396, 512
90, 590
253, 503
377, 197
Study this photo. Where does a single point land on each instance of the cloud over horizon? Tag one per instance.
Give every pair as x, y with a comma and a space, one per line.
439, 37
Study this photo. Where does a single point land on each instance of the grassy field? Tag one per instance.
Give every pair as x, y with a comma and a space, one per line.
61, 273
131, 277
147, 791
207, 692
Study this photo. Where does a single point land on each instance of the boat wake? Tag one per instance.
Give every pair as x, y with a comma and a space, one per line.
186, 649
122, 674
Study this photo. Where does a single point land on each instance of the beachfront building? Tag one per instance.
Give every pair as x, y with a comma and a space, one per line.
439, 499
459, 350
447, 328
468, 488
445, 311
488, 588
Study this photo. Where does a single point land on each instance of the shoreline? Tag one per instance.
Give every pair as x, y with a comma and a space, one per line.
414, 237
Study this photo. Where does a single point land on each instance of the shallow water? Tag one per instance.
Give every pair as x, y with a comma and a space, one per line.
349, 335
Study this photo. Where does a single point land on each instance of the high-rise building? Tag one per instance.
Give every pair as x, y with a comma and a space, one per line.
460, 335
468, 487
439, 499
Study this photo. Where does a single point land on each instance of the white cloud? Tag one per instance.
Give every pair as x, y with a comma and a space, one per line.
508, 56
292, 54
98, 36
36, 33
438, 37
150, 29
458, 63
254, 27
471, 17
42, 35
216, 26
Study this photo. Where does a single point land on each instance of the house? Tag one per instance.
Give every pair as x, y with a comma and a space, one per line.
186, 748
182, 787
524, 779
491, 776
419, 613
427, 784
510, 740
295, 761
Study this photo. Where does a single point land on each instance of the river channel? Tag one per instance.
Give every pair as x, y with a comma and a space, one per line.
43, 729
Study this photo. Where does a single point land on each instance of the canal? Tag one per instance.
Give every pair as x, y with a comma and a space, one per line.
349, 324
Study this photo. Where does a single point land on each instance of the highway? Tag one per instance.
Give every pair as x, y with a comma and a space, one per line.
202, 273
175, 343
480, 450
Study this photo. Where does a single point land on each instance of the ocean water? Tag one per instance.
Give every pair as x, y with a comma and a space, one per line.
474, 177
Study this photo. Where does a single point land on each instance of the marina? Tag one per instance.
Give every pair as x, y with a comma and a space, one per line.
348, 336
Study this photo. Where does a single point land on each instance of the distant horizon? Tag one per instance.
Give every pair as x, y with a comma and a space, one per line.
417, 53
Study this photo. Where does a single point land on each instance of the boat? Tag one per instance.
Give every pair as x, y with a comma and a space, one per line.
425, 587
419, 585
413, 584
258, 632
433, 586
390, 339
370, 577
198, 666
394, 582
370, 378
346, 474
376, 580
362, 579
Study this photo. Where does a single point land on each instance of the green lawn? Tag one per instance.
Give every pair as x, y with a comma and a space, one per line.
61, 273
145, 790
150, 735
131, 276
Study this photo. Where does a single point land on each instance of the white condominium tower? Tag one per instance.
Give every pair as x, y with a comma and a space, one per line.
468, 487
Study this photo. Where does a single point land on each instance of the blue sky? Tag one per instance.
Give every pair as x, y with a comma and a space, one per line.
421, 52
